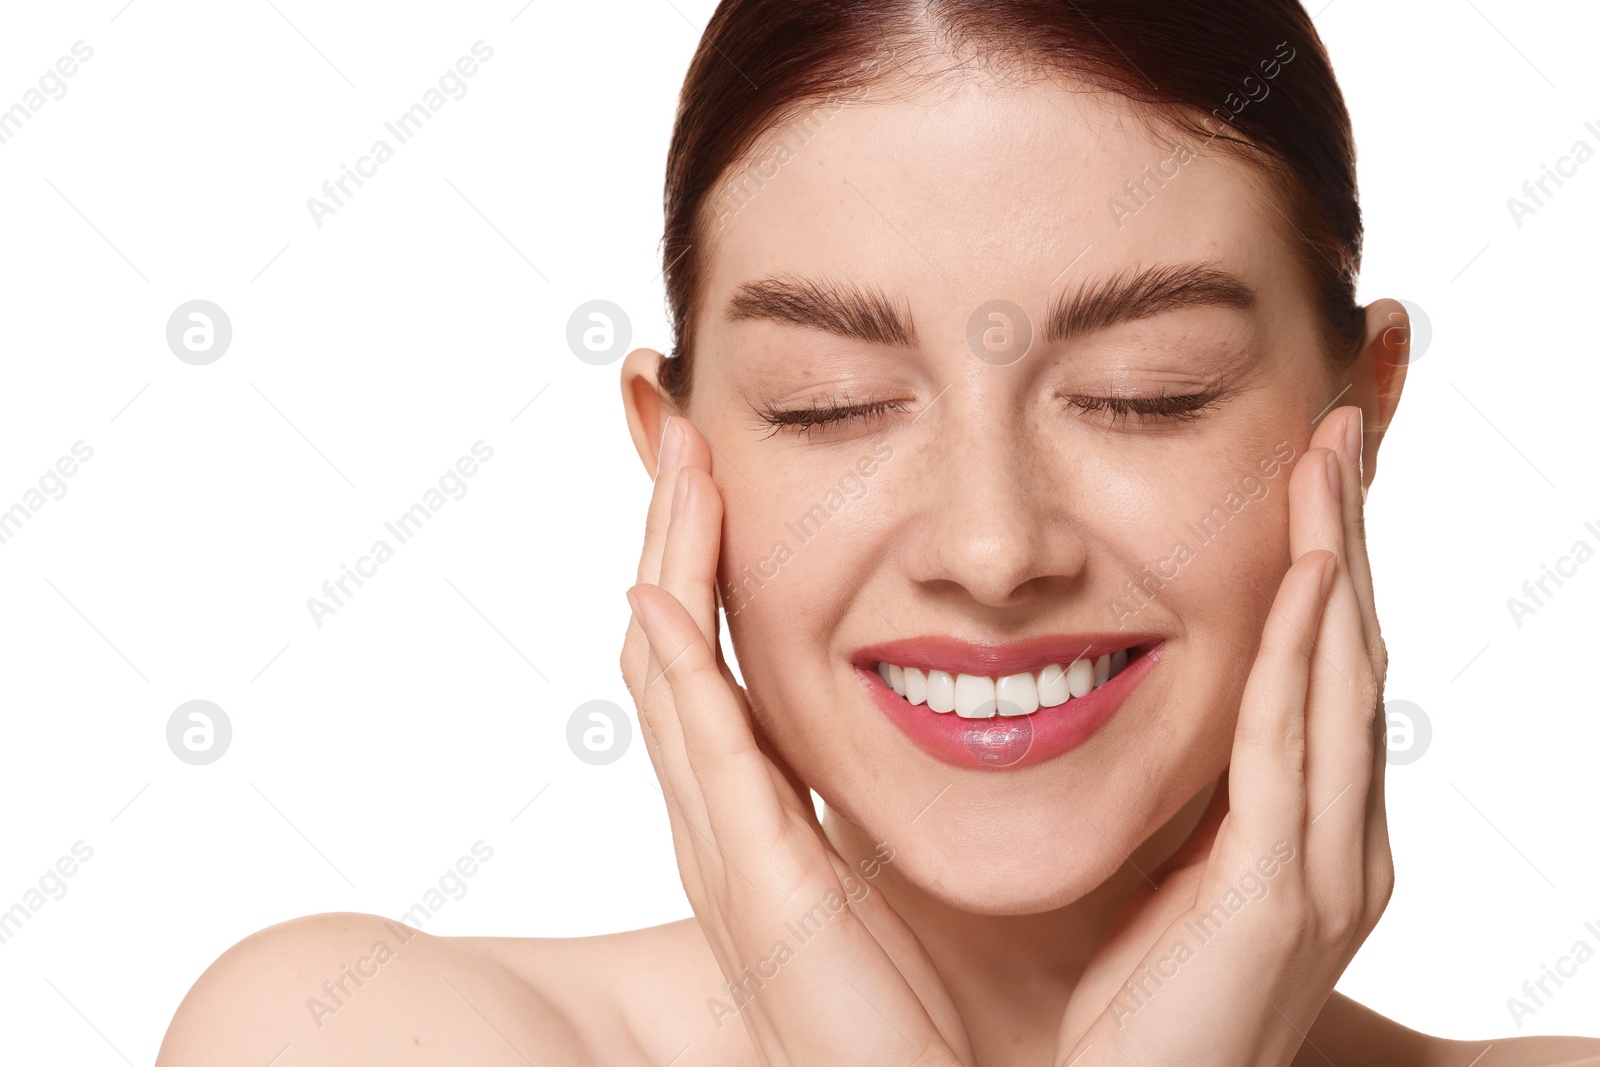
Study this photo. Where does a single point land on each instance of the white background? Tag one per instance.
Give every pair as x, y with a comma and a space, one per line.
425, 315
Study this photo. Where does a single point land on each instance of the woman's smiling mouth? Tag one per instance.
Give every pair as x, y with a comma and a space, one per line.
986, 706
979, 696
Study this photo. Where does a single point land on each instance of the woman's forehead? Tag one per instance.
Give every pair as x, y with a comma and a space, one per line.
989, 187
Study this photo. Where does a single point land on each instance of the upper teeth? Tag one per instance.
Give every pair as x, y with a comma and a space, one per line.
976, 696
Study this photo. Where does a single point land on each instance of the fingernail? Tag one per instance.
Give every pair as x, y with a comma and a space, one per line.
1354, 432
633, 601
1330, 567
667, 453
680, 492
1335, 477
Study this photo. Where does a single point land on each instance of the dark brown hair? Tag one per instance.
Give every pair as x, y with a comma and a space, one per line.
1196, 65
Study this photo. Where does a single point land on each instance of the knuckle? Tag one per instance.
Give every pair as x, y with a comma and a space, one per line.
1287, 934
1369, 696
1294, 749
693, 664
1380, 885
628, 680
1345, 913
1341, 920
1284, 740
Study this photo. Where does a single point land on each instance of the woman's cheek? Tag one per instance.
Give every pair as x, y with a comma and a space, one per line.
778, 529
800, 540
780, 535
1212, 570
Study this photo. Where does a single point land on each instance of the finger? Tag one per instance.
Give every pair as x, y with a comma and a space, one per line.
681, 445
1353, 439
1342, 432
643, 675
1379, 860
683, 832
724, 765
677, 447
1266, 784
689, 558
1342, 692
675, 779
689, 572
641, 671
638, 667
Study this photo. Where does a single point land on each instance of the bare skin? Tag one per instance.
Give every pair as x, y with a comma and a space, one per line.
634, 999
1007, 941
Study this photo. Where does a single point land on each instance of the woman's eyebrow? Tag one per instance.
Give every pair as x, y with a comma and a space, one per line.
866, 314
1140, 294
827, 305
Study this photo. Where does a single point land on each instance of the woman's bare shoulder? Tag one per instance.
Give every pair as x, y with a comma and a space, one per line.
1348, 1032
657, 989
352, 989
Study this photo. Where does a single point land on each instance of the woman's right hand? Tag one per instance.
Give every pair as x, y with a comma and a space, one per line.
751, 853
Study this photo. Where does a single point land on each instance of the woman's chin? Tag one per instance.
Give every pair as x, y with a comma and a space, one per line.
1025, 876
1028, 857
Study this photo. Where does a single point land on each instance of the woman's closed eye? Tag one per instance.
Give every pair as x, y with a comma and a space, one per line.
1163, 407
821, 415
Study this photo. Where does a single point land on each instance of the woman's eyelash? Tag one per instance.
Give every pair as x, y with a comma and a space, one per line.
827, 412
1118, 409
833, 411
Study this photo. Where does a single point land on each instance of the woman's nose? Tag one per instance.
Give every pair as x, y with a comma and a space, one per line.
994, 512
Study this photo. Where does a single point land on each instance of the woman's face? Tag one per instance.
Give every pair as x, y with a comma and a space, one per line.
992, 513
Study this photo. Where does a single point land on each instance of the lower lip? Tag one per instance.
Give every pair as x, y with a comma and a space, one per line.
1010, 742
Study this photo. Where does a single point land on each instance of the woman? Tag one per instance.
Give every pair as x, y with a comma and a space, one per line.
1020, 421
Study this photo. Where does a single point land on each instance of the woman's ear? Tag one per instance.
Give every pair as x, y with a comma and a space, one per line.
646, 406
1380, 374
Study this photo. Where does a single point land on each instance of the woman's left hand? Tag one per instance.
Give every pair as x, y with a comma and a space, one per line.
1229, 960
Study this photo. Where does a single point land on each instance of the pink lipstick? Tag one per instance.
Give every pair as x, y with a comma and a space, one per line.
1020, 704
